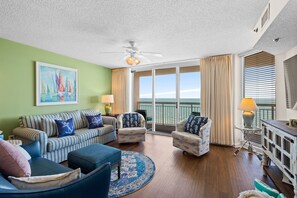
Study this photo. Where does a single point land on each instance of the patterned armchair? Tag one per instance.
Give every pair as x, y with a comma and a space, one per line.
131, 128
192, 143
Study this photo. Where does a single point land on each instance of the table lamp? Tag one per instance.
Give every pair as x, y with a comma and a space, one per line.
107, 99
248, 105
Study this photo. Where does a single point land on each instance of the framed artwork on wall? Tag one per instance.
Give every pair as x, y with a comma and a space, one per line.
56, 85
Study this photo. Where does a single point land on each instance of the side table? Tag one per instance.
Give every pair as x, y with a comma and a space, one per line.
247, 132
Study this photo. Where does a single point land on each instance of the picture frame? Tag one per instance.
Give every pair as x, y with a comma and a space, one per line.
55, 85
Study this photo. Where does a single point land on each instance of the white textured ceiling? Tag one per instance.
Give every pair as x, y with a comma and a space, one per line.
283, 27
179, 29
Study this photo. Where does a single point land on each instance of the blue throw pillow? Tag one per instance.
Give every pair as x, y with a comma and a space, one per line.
65, 127
194, 124
94, 121
131, 120
134, 120
126, 120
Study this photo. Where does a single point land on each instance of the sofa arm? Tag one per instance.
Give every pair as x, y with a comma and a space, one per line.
181, 125
205, 130
28, 135
110, 120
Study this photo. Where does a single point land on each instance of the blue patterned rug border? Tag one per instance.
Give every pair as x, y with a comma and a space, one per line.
148, 180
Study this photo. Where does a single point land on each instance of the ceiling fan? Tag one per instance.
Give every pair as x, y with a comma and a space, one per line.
133, 54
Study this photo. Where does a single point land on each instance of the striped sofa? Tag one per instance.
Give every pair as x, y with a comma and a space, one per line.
42, 128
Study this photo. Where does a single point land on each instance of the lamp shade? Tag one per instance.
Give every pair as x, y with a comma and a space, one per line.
248, 104
107, 99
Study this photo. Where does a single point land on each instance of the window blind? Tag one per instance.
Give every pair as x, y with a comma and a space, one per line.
259, 84
259, 78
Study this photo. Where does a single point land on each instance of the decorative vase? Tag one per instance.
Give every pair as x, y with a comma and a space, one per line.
107, 109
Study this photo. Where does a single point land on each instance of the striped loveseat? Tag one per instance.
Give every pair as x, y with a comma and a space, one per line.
42, 128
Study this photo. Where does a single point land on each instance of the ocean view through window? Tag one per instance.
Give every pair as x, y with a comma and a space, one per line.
165, 94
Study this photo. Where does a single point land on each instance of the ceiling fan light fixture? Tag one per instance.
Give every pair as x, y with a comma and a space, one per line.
137, 61
132, 60
129, 60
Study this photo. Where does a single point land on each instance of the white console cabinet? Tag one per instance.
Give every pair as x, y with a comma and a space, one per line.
279, 143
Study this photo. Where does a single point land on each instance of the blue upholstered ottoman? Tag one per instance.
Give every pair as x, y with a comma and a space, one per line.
91, 157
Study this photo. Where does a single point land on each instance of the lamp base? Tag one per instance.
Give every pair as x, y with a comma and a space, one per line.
248, 117
107, 109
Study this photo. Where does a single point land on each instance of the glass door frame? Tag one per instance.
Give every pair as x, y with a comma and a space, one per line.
177, 95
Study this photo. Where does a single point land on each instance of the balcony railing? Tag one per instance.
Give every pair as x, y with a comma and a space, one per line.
166, 111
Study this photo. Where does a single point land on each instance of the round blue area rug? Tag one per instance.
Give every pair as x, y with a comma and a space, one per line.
137, 170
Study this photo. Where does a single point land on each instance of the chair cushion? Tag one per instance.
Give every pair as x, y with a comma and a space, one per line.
132, 131
131, 120
49, 126
65, 127
194, 123
55, 143
77, 119
94, 121
13, 162
105, 130
188, 138
86, 134
91, 157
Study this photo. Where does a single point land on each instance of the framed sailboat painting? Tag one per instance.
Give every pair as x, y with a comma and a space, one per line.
56, 85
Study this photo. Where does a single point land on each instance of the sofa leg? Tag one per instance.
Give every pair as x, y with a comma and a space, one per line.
119, 171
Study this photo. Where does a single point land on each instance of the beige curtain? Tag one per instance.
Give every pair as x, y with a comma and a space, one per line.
120, 90
216, 97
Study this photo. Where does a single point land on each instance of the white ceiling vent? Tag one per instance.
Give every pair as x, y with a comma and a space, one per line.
265, 16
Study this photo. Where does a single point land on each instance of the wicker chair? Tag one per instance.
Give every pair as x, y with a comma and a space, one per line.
192, 143
131, 134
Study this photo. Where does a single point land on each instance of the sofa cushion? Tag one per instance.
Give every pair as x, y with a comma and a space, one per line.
194, 123
132, 131
34, 121
42, 166
45, 181
94, 121
65, 127
105, 130
78, 123
86, 134
55, 143
13, 162
86, 112
49, 126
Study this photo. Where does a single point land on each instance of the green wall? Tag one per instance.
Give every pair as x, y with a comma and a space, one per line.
17, 83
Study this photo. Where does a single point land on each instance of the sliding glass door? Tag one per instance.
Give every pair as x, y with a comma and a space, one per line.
165, 99
168, 95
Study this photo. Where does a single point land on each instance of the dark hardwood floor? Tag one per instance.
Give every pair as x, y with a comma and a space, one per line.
216, 174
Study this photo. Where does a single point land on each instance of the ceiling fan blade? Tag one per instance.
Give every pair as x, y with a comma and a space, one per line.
151, 54
143, 58
112, 52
